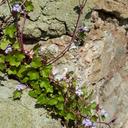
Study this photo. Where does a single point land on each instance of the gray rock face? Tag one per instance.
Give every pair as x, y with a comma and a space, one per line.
53, 18
117, 7
22, 114
50, 18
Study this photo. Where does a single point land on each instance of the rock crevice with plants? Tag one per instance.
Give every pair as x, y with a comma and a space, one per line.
78, 77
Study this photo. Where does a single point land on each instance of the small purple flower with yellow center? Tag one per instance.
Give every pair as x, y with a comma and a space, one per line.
16, 8
8, 49
21, 87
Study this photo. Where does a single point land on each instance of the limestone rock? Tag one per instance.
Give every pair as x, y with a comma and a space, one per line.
22, 114
50, 18
103, 63
55, 18
116, 7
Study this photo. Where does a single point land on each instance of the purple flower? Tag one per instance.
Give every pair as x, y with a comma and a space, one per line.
8, 49
84, 29
21, 87
103, 113
87, 122
16, 8
78, 91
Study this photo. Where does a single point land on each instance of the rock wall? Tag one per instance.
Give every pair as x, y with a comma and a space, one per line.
101, 63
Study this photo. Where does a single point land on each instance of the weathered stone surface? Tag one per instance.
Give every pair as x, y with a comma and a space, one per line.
117, 7
109, 73
55, 18
102, 62
21, 114
50, 18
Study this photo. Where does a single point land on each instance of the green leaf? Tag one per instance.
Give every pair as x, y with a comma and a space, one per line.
12, 71
42, 99
34, 84
60, 98
70, 116
62, 113
4, 43
52, 101
10, 31
93, 105
16, 45
45, 72
33, 75
94, 118
17, 95
73, 96
60, 106
13, 62
29, 6
86, 111
15, 59
34, 93
2, 66
2, 58
74, 105
24, 80
36, 62
45, 84
21, 70
19, 56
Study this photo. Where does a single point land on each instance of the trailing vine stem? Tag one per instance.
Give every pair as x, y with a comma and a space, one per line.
19, 33
81, 6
